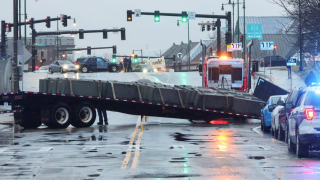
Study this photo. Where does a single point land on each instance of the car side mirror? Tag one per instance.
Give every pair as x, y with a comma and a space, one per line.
289, 106
271, 108
200, 67
280, 103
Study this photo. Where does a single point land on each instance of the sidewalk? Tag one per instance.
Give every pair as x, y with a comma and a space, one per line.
279, 78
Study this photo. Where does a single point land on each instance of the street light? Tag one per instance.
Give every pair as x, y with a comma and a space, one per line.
74, 22
132, 54
63, 55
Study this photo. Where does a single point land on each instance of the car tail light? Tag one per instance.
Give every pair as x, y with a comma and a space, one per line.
76, 63
37, 67
291, 110
309, 113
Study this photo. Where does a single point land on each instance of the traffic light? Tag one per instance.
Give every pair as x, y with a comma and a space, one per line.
135, 60
114, 49
213, 28
31, 23
241, 39
228, 38
129, 15
203, 28
81, 34
8, 27
65, 20
42, 54
48, 22
89, 50
114, 58
156, 16
35, 53
208, 27
184, 18
105, 34
123, 34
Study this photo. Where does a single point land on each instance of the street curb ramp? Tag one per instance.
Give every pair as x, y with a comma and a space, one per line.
264, 89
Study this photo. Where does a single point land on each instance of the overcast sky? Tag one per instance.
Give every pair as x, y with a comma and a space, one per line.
141, 33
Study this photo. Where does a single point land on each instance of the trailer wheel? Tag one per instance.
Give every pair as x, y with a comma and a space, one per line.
84, 115
29, 118
60, 116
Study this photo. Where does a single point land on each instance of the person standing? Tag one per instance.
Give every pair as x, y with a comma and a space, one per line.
129, 65
125, 64
102, 116
311, 78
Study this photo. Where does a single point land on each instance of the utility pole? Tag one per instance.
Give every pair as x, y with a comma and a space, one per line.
244, 31
218, 24
188, 47
238, 26
300, 37
15, 82
25, 25
57, 40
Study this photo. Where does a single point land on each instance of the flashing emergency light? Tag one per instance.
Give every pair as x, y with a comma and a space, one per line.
224, 57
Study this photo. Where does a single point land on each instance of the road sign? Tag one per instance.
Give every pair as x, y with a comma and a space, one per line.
291, 62
236, 46
191, 15
267, 45
137, 12
254, 31
224, 28
40, 44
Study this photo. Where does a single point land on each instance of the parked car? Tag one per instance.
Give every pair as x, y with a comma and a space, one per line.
291, 100
275, 61
275, 122
266, 114
62, 66
144, 68
95, 64
42, 69
304, 123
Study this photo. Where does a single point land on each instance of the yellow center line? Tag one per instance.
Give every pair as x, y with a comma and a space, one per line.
137, 152
128, 154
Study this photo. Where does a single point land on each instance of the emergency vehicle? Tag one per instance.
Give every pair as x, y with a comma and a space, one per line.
157, 63
224, 72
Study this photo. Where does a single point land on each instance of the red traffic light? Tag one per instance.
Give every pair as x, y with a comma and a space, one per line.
46, 19
7, 25
63, 17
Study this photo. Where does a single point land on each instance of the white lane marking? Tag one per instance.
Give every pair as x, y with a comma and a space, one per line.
256, 129
3, 150
89, 148
45, 149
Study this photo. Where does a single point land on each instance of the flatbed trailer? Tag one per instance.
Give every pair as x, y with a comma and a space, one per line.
31, 109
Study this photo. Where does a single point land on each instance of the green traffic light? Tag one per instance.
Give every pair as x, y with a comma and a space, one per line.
184, 17
156, 16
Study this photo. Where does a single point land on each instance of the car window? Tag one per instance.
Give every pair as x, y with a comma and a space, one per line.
300, 100
65, 62
92, 60
80, 59
274, 100
313, 99
57, 63
137, 67
54, 62
100, 60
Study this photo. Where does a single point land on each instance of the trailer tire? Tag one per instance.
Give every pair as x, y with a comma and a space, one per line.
31, 118
60, 116
84, 115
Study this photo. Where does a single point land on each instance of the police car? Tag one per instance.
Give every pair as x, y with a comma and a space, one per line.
304, 123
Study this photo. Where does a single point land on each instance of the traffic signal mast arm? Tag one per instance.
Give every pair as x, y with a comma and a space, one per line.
80, 49
77, 32
37, 21
180, 14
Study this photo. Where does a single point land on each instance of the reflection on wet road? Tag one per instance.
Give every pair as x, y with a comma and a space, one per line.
149, 148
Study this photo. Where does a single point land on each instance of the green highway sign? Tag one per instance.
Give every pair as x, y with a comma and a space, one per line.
40, 44
254, 31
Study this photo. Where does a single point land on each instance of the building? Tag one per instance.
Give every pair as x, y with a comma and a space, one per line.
48, 45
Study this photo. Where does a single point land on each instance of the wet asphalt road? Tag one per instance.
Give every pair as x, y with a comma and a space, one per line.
154, 148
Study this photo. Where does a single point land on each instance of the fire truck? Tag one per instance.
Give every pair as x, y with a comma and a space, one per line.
224, 72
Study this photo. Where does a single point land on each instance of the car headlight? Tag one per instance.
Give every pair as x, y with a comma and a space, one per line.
144, 70
155, 70
65, 67
77, 66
